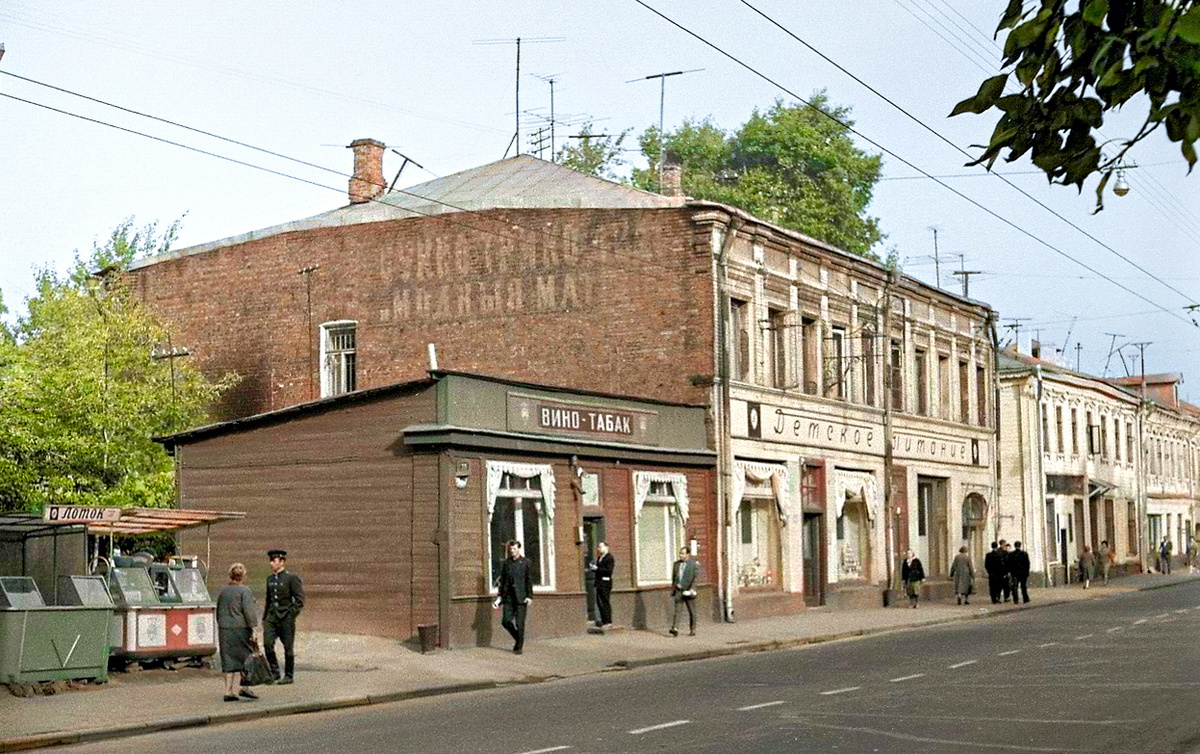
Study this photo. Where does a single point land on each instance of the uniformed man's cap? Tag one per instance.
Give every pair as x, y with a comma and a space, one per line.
272, 554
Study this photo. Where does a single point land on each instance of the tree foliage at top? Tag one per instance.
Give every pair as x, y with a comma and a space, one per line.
794, 165
1074, 63
593, 153
82, 394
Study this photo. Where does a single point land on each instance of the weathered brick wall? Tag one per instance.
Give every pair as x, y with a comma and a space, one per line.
609, 300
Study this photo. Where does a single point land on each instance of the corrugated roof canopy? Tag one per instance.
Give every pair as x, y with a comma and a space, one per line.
154, 520
25, 525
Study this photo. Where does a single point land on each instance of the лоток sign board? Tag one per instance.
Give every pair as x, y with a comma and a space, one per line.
79, 514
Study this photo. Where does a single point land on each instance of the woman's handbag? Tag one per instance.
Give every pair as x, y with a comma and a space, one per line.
257, 671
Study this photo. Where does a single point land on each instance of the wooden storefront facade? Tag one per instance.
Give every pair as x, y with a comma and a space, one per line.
393, 502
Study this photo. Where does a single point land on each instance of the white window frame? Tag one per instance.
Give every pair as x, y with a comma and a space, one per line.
495, 476
673, 506
327, 352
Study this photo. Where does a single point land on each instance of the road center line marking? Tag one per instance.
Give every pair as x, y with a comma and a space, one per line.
546, 751
1048, 644
1009, 652
840, 691
760, 706
1113, 629
1085, 636
660, 726
1139, 622
1180, 612
1163, 615
963, 664
907, 677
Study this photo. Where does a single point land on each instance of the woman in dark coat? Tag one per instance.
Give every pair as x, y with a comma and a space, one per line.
962, 573
237, 617
912, 573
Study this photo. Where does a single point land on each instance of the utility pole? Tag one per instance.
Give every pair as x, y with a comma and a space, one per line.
307, 273
517, 90
1015, 325
966, 280
662, 97
1141, 460
1078, 349
170, 355
937, 261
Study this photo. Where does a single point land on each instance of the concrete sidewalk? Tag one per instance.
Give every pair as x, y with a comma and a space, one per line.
335, 671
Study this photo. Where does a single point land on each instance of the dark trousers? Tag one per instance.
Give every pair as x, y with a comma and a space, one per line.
1005, 587
513, 620
691, 613
994, 586
283, 629
1022, 586
604, 602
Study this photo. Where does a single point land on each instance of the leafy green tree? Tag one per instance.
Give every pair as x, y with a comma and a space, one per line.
1075, 62
595, 154
794, 165
82, 392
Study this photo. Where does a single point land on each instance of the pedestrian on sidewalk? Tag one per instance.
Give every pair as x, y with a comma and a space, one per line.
603, 567
1005, 571
285, 599
1164, 556
962, 573
993, 565
516, 594
912, 573
237, 617
1019, 567
1087, 564
683, 589
1108, 559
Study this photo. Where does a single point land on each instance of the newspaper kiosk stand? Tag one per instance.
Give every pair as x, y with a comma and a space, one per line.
162, 613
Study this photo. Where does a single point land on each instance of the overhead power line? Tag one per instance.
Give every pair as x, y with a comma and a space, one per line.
965, 153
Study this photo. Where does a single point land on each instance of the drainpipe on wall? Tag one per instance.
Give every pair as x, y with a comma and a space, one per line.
724, 429
889, 512
991, 322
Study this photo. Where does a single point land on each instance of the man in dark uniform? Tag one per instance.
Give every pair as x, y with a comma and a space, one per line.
604, 570
285, 598
516, 593
992, 563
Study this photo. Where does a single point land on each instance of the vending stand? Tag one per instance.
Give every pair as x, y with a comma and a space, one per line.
163, 611
63, 642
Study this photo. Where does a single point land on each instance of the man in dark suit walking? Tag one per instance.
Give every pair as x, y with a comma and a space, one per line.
285, 599
516, 593
683, 589
1018, 566
993, 564
603, 566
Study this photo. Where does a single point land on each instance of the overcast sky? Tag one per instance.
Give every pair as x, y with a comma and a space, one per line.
296, 78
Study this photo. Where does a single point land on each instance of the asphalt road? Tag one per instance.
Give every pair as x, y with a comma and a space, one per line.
1120, 674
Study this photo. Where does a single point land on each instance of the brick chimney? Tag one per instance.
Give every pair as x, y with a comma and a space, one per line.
367, 182
672, 177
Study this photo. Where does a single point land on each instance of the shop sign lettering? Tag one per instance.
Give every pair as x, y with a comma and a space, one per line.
584, 420
78, 514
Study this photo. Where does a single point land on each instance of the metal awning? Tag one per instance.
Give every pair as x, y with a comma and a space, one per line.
1097, 487
154, 520
23, 525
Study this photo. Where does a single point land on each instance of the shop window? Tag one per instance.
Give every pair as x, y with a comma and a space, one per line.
777, 339
521, 509
758, 551
921, 369
338, 358
660, 521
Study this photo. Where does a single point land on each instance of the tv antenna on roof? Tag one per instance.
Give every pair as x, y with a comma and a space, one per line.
516, 139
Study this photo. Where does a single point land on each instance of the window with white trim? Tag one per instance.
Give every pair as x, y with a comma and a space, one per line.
659, 533
519, 512
338, 357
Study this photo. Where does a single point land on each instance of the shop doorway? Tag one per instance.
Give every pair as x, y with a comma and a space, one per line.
593, 534
974, 517
932, 502
814, 564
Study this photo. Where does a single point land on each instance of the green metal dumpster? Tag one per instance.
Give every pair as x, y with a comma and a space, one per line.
40, 642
